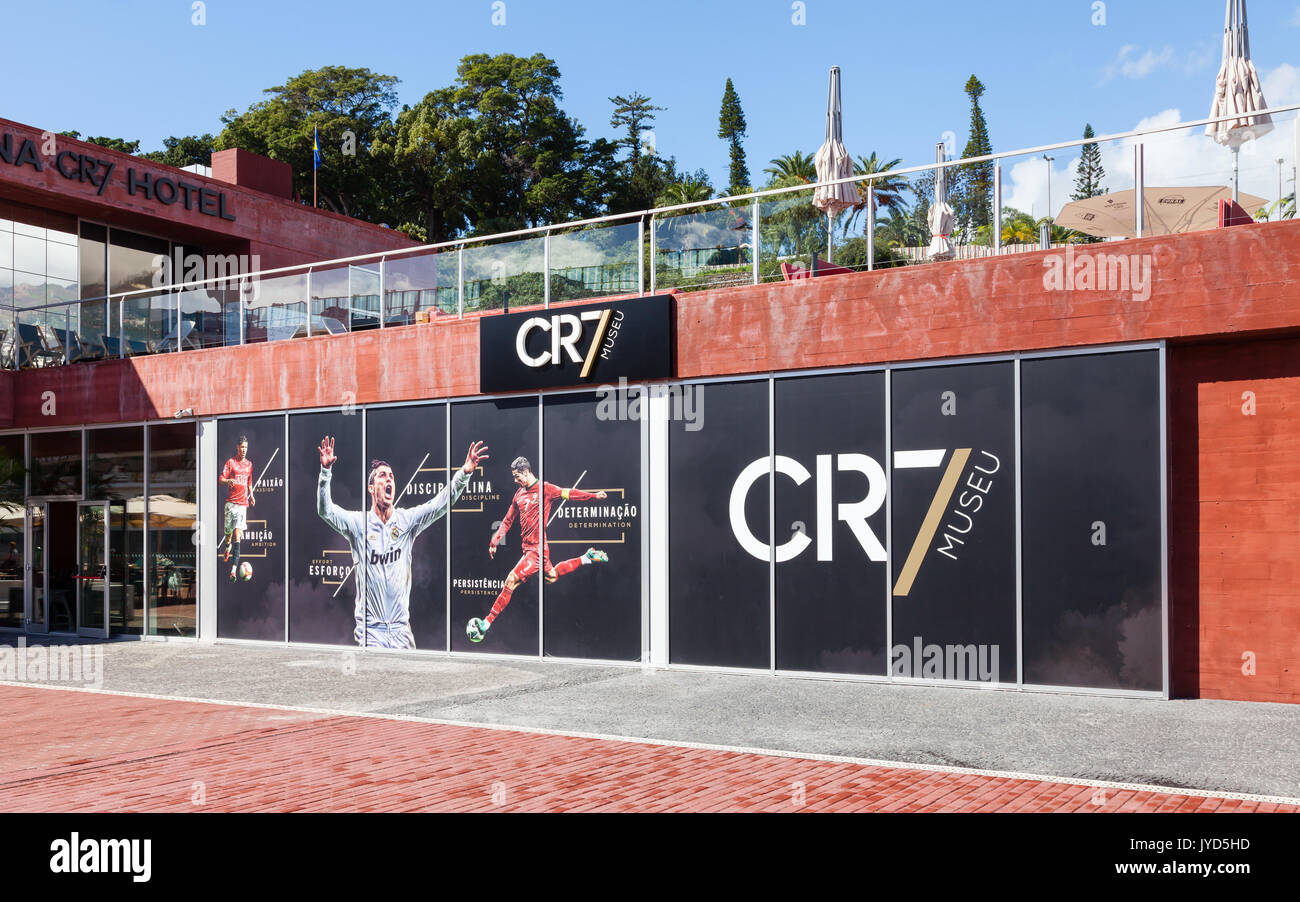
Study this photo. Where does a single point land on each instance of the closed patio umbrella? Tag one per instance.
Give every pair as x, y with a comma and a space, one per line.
833, 162
1237, 91
941, 215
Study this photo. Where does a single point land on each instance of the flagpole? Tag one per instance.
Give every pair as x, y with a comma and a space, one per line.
313, 186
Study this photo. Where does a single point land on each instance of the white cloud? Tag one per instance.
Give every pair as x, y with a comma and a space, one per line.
1183, 157
1132, 64
1295, 18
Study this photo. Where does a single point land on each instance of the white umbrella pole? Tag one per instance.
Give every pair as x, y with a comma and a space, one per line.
830, 238
1236, 160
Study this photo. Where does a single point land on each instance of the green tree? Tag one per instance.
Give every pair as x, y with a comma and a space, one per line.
529, 163
731, 127
190, 150
430, 151
972, 193
792, 169
1090, 173
888, 189
634, 113
352, 110
121, 144
691, 188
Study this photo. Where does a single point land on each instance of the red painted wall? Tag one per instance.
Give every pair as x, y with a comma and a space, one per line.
1235, 479
1207, 284
1234, 412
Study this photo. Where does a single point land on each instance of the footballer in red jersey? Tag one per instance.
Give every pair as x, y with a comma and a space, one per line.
238, 474
532, 505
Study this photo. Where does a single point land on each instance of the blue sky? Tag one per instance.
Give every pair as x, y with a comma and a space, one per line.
140, 69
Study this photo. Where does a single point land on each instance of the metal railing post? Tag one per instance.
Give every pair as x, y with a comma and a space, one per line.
310, 271
871, 226
382, 300
121, 327
1139, 191
460, 281
546, 268
239, 300
640, 255
754, 241
653, 278
997, 209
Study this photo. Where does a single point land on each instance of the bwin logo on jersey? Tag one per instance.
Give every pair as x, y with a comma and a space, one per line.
387, 558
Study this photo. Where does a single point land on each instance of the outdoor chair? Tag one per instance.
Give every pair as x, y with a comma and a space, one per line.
790, 272
169, 341
33, 349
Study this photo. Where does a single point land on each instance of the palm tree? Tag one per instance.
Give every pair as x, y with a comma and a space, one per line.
793, 169
686, 191
888, 190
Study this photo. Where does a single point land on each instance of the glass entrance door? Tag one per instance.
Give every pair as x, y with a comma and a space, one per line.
93, 577
35, 588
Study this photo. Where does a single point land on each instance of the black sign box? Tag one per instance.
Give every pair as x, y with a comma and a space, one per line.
586, 344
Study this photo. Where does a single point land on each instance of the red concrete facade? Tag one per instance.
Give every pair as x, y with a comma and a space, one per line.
1234, 592
250, 170
1226, 301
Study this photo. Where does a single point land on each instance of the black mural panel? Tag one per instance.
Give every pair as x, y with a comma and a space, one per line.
831, 591
593, 444
254, 608
326, 598
412, 441
1091, 521
509, 427
719, 592
954, 539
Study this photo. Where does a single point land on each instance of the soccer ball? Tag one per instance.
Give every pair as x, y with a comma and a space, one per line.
475, 629
245, 571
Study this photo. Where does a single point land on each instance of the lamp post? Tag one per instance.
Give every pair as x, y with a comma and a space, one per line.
1049, 199
1280, 161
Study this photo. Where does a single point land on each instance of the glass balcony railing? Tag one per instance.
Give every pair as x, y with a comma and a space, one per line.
1009, 202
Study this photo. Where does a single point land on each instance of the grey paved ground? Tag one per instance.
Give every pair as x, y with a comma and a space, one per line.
1225, 746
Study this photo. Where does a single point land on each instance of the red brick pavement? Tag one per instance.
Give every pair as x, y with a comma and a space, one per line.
77, 751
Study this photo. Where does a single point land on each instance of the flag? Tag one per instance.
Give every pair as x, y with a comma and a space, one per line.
315, 149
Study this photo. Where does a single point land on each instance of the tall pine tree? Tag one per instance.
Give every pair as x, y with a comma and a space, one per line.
1090, 173
974, 200
635, 113
731, 126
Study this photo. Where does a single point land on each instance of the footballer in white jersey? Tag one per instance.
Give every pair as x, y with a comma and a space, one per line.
381, 540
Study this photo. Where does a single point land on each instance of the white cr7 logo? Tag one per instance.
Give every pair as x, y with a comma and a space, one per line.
854, 513
565, 329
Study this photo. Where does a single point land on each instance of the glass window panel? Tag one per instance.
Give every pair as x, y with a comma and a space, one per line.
26, 228
133, 260
594, 262
173, 497
276, 308
419, 283
56, 463
94, 261
11, 531
61, 263
504, 275
6, 250
115, 471
29, 254
711, 249
6, 288
29, 290
62, 236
